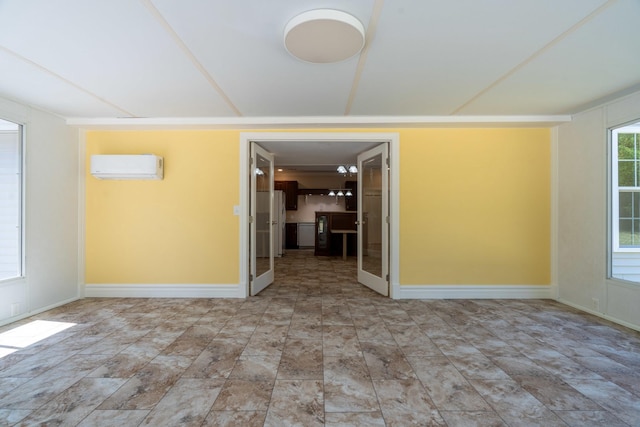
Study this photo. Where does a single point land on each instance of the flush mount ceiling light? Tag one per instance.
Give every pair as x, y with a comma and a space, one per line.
324, 36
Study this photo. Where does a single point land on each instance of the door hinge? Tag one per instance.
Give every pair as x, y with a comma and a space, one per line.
387, 277
251, 278
387, 161
387, 219
250, 220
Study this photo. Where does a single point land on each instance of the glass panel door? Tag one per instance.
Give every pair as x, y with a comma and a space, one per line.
373, 226
262, 219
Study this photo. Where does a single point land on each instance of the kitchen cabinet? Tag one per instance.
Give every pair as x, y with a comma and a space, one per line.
290, 189
291, 235
330, 244
351, 202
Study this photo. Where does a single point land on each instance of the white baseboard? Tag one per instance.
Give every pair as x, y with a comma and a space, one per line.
162, 291
37, 311
475, 292
601, 315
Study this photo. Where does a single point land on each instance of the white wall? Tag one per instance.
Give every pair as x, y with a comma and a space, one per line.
309, 205
582, 215
52, 179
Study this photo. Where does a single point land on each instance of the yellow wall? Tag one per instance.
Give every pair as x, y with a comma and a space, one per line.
474, 208
178, 230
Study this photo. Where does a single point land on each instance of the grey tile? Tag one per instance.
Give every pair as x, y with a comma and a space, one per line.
611, 397
35, 393
354, 419
348, 386
590, 419
386, 362
296, 402
217, 360
12, 416
556, 394
339, 340
187, 403
477, 366
302, 360
75, 403
243, 395
145, 389
114, 418
448, 388
514, 404
472, 419
235, 419
305, 351
256, 368
406, 402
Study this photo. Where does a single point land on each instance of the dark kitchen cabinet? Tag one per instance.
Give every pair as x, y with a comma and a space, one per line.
351, 202
290, 189
291, 239
330, 244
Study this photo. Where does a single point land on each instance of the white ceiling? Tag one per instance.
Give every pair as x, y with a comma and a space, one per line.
89, 59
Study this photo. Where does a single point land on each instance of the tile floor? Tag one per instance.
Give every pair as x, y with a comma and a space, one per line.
318, 349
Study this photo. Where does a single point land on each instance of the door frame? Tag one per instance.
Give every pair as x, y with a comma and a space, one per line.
392, 138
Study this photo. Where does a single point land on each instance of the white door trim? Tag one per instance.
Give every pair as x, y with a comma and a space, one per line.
392, 138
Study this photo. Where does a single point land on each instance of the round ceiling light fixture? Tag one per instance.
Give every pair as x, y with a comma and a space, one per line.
324, 36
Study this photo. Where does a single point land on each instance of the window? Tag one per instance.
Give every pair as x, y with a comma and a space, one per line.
10, 200
625, 203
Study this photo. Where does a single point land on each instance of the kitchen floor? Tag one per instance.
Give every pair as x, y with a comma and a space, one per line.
316, 348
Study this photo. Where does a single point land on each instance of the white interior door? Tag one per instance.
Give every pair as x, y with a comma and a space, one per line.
373, 219
261, 219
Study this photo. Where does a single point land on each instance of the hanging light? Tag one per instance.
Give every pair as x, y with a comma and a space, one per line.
348, 193
332, 193
340, 193
259, 171
344, 169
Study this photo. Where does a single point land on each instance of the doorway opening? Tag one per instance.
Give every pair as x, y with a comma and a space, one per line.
310, 151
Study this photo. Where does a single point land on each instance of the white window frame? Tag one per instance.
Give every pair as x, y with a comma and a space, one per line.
20, 270
615, 189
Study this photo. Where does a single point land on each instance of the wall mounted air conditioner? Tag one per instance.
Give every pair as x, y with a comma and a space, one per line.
126, 166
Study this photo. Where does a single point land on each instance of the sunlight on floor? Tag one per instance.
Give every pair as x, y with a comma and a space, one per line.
25, 335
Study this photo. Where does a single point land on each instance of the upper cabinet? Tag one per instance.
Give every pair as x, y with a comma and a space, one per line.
351, 202
290, 189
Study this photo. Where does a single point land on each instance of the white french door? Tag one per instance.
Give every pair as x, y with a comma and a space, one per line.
261, 219
373, 219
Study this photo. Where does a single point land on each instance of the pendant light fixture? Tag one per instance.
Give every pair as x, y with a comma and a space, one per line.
344, 169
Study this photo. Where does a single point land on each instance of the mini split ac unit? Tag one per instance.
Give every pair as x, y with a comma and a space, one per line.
126, 166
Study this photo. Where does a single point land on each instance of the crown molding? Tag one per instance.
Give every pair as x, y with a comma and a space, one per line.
116, 123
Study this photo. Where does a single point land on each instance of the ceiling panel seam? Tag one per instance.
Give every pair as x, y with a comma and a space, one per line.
362, 59
183, 46
65, 80
536, 54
